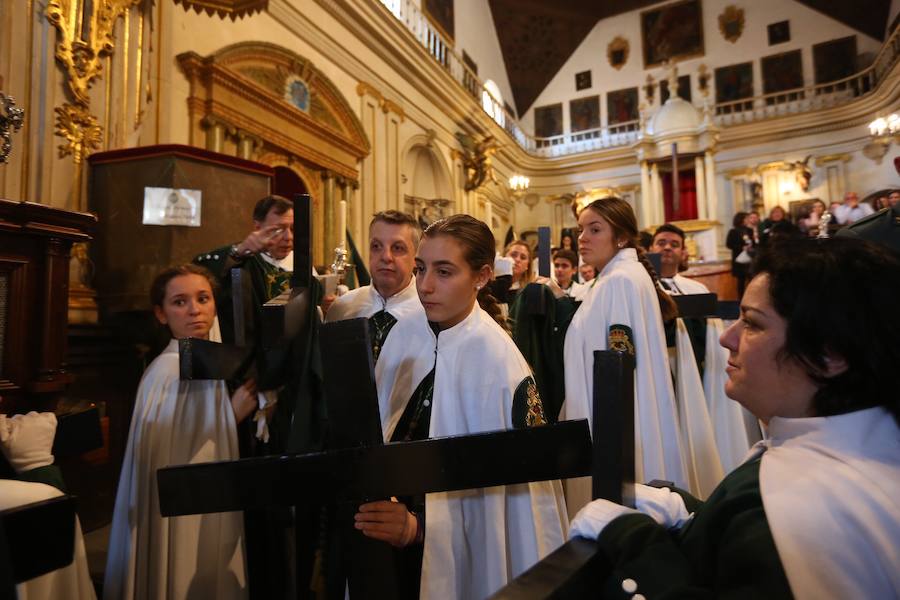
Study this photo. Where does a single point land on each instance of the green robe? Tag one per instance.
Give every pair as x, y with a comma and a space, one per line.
297, 425
725, 551
541, 338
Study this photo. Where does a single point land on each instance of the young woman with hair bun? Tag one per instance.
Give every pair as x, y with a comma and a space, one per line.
472, 378
624, 310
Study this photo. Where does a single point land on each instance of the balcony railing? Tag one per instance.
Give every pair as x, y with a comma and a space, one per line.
757, 108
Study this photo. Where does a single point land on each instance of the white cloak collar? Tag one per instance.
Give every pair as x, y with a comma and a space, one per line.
285, 264
366, 301
830, 489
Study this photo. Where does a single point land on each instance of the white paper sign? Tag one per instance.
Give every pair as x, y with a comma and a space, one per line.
169, 206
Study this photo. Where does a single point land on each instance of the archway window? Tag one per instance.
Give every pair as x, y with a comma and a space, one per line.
492, 101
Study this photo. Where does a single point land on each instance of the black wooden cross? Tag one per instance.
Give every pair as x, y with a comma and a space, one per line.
575, 569
359, 468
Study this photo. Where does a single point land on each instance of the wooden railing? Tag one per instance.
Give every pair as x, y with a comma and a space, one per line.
757, 108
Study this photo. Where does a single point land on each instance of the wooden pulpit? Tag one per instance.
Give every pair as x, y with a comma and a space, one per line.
128, 251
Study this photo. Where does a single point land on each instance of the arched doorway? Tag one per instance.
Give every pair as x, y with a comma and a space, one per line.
429, 195
287, 183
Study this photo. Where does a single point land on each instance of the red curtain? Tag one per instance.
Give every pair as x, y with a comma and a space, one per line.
687, 199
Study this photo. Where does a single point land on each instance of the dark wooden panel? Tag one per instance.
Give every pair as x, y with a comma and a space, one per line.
127, 253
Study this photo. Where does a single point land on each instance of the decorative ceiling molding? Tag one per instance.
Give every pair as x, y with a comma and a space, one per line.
234, 9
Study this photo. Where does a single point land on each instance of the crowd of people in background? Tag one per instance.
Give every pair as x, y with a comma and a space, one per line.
749, 233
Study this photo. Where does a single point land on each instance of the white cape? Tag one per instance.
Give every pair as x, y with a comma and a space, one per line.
686, 285
408, 352
478, 540
624, 294
830, 488
150, 557
366, 301
698, 437
728, 417
72, 582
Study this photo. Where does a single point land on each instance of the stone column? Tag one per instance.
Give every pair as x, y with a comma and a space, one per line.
215, 135
489, 214
346, 197
646, 196
656, 198
700, 181
712, 196
330, 214
246, 144
357, 227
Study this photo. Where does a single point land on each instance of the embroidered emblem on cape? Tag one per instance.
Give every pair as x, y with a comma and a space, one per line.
528, 410
621, 339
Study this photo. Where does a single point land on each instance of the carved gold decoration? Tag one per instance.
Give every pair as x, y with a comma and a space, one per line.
650, 89
703, 77
476, 160
391, 106
12, 121
79, 128
233, 9
617, 52
830, 158
731, 23
83, 58
802, 172
367, 89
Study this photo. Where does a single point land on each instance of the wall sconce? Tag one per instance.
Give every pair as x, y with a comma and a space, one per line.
518, 185
882, 130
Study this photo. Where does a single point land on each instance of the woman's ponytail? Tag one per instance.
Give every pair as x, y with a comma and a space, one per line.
491, 306
667, 306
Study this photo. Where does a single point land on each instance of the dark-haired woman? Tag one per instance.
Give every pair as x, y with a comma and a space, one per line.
741, 241
473, 541
812, 512
624, 310
177, 422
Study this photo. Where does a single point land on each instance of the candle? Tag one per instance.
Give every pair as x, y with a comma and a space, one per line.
342, 233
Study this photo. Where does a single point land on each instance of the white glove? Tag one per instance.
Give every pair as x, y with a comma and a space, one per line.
267, 401
503, 266
594, 517
26, 440
662, 505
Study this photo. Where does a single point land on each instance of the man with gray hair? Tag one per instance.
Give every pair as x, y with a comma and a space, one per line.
393, 239
852, 210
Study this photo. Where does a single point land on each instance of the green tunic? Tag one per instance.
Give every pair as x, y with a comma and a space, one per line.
725, 551
540, 338
266, 282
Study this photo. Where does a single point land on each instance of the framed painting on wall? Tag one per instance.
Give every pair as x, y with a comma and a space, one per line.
670, 32
834, 59
584, 113
622, 106
582, 80
440, 13
548, 121
779, 32
782, 72
684, 89
734, 82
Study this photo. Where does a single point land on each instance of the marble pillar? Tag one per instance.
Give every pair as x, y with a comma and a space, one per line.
712, 196
700, 181
646, 197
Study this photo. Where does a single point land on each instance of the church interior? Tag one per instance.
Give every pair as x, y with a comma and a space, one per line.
138, 134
